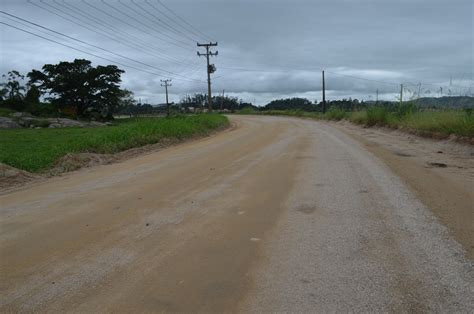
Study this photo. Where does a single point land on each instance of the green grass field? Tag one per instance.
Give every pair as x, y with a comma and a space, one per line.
35, 150
440, 122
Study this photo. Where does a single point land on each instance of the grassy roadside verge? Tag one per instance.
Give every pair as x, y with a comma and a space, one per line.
440, 123
35, 150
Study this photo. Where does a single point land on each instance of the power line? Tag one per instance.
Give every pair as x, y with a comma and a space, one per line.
172, 59
120, 20
290, 69
86, 52
102, 22
178, 42
92, 45
182, 19
108, 26
185, 28
111, 35
365, 79
166, 25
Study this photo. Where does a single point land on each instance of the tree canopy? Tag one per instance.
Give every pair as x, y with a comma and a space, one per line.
80, 86
291, 104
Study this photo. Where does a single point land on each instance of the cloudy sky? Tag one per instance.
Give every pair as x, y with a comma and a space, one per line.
267, 48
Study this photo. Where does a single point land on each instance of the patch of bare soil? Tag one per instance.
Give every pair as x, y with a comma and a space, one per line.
10, 176
441, 172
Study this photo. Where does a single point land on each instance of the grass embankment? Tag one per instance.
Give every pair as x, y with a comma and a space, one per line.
5, 112
35, 150
438, 122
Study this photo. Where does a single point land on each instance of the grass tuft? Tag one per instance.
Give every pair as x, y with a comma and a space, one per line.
335, 114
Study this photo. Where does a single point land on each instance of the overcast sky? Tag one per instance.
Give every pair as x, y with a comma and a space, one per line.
268, 49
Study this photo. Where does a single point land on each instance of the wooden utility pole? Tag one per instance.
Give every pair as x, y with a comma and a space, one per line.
222, 99
324, 95
166, 85
210, 69
401, 94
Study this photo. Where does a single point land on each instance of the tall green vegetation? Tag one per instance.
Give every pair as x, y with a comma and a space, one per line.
409, 117
36, 150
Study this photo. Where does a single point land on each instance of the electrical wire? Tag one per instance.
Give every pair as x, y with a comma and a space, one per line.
182, 19
92, 54
88, 44
111, 36
87, 16
165, 24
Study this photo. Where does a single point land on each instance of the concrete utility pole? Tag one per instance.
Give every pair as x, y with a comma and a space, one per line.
166, 85
222, 99
401, 94
211, 68
324, 94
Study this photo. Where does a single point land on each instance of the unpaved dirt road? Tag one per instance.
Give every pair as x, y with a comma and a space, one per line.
275, 214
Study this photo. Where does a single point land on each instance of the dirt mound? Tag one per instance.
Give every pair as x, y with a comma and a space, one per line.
10, 176
75, 161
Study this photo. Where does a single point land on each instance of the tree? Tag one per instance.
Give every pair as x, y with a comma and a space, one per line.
11, 91
13, 88
80, 86
127, 103
33, 95
3, 94
291, 104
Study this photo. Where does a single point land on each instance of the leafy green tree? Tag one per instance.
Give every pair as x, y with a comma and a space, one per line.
3, 94
127, 103
33, 95
291, 104
13, 88
80, 86
11, 91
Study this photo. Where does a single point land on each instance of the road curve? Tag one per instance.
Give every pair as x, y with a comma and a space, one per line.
275, 214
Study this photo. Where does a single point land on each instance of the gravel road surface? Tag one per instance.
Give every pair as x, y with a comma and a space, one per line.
274, 214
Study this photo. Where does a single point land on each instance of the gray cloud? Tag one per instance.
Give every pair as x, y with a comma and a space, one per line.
267, 49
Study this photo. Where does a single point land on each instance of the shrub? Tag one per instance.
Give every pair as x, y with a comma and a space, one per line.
5, 112
405, 110
359, 117
335, 114
377, 116
247, 110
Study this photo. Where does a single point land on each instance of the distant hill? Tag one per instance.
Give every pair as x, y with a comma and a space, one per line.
435, 102
452, 102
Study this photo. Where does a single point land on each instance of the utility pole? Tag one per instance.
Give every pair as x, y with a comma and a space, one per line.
377, 96
222, 99
166, 85
324, 95
401, 94
211, 68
